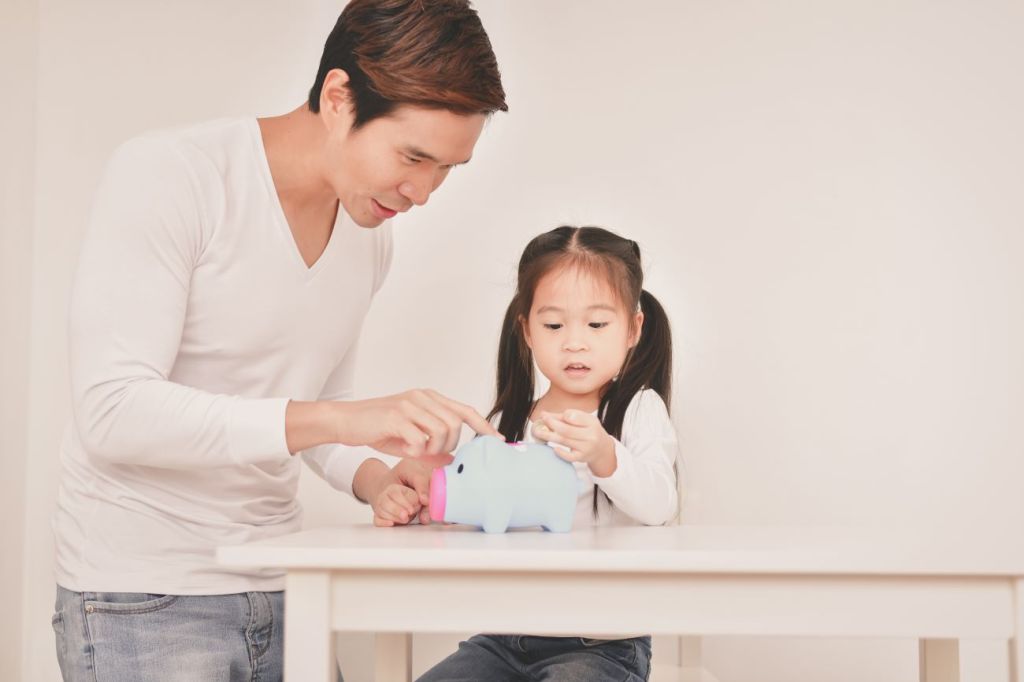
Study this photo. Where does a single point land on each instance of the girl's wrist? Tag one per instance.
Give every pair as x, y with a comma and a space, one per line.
605, 464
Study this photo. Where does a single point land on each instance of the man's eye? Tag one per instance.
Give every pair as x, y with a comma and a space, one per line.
553, 326
598, 325
411, 159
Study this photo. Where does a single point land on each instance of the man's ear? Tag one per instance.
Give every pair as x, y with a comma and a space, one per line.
336, 101
638, 324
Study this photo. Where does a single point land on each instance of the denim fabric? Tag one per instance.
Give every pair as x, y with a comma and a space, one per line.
518, 658
128, 636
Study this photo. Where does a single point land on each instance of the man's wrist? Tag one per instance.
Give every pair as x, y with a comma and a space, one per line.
369, 480
311, 423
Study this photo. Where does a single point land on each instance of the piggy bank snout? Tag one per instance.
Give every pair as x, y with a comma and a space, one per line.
438, 494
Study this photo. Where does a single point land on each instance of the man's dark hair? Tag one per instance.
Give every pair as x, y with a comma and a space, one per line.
428, 53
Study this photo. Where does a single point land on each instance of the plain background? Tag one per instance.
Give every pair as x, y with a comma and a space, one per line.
828, 195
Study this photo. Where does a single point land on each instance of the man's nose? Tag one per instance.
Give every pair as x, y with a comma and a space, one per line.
416, 190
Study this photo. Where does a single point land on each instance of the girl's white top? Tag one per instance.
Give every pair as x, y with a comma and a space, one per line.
642, 489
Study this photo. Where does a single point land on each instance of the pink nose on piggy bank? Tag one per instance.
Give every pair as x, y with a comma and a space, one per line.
438, 489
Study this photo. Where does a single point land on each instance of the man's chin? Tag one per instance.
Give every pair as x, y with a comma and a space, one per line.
368, 223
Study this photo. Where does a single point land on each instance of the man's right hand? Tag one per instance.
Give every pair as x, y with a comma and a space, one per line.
411, 424
416, 423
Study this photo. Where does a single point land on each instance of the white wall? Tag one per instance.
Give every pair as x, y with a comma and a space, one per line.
17, 161
828, 195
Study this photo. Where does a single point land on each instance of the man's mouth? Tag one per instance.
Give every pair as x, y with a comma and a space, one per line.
381, 210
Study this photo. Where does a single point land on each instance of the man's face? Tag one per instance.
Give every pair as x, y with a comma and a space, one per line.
396, 161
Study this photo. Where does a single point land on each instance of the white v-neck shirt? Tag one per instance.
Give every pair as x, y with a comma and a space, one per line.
193, 321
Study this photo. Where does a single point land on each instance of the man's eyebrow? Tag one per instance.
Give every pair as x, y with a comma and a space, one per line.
419, 153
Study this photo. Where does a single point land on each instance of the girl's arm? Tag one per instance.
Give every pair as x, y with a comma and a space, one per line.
644, 484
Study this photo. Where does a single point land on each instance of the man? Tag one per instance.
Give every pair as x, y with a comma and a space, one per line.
221, 288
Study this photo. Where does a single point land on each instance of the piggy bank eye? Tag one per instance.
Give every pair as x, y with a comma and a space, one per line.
459, 469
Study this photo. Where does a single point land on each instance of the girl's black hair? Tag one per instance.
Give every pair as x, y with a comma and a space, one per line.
648, 364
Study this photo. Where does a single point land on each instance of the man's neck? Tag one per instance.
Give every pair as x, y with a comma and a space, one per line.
293, 142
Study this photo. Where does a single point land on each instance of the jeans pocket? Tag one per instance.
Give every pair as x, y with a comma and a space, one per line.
127, 602
623, 651
58, 623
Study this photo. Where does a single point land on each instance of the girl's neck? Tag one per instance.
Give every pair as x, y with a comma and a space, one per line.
556, 400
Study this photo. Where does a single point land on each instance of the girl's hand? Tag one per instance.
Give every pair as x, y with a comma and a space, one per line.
583, 438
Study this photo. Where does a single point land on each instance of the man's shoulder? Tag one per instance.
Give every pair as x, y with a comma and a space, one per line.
214, 144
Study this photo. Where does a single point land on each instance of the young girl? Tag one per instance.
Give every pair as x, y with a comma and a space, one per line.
580, 313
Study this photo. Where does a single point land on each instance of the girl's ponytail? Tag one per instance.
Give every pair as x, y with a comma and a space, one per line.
515, 377
649, 365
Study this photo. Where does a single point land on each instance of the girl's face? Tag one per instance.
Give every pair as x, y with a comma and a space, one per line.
579, 331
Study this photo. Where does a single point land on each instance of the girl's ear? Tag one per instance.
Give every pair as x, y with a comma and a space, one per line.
638, 324
526, 331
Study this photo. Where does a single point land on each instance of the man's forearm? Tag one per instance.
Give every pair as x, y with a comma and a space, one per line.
308, 424
369, 479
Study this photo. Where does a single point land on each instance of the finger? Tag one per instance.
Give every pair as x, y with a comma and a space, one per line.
441, 408
389, 510
579, 418
413, 439
425, 517
434, 461
566, 430
404, 500
467, 415
418, 482
568, 454
436, 428
382, 523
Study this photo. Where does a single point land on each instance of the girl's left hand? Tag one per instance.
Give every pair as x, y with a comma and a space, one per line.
584, 438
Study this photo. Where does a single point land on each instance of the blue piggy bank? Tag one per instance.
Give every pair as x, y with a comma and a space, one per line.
498, 485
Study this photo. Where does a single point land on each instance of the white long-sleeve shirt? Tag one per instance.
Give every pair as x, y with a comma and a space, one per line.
193, 321
642, 489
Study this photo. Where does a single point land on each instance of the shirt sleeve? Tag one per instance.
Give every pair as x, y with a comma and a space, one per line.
337, 464
644, 483
128, 305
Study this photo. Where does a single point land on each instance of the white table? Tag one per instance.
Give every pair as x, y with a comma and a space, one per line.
955, 596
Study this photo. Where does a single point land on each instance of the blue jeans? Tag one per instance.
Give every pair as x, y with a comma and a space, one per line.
508, 658
128, 636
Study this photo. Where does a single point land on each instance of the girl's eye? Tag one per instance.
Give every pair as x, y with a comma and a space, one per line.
553, 326
598, 325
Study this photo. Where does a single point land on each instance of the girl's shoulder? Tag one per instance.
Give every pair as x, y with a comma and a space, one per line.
647, 401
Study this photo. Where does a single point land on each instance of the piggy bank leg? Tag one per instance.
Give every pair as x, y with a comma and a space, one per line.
496, 521
560, 526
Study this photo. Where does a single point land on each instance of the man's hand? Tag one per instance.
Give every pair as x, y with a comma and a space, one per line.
402, 493
582, 438
416, 423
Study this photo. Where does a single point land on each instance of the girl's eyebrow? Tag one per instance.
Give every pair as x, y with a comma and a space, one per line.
556, 309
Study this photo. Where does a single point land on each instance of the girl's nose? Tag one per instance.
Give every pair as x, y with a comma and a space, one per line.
574, 345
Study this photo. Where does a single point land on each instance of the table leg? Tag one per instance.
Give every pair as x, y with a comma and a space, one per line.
984, 660
308, 640
393, 657
939, 660
1017, 643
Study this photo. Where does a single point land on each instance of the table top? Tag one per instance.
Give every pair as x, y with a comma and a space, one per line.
694, 549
